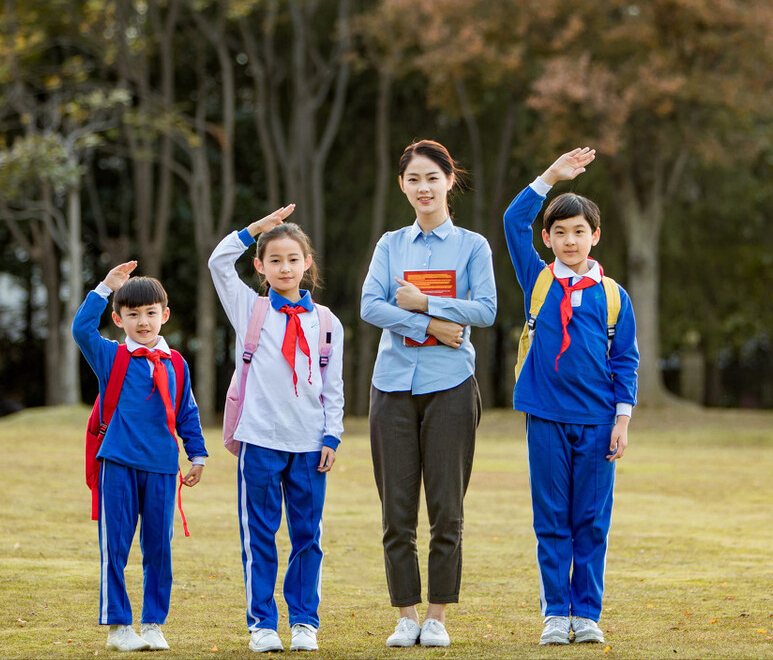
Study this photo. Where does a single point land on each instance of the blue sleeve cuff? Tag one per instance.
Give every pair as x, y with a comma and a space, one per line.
331, 441
246, 238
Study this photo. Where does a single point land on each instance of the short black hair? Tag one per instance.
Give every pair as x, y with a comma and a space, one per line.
138, 292
569, 205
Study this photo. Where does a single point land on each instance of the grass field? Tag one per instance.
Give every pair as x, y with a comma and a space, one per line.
689, 571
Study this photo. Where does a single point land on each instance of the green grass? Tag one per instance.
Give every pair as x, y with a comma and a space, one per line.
688, 572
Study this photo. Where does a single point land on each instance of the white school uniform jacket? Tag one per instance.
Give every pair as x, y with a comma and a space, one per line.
273, 416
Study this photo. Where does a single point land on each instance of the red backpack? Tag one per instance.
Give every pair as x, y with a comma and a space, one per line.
97, 424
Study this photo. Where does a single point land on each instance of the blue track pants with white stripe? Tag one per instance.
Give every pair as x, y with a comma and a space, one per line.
572, 486
126, 495
265, 478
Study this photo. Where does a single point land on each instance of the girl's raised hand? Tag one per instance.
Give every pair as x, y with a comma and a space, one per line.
569, 165
117, 277
270, 221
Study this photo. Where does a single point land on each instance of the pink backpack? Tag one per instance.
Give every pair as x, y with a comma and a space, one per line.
234, 402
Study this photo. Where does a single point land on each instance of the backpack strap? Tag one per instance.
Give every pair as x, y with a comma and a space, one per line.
538, 295
251, 340
114, 385
179, 375
325, 336
613, 308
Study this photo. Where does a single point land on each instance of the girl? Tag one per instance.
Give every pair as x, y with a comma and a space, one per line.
424, 404
290, 426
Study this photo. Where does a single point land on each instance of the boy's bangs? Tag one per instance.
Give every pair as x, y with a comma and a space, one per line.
139, 292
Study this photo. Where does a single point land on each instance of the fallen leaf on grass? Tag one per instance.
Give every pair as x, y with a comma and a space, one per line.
650, 606
686, 613
729, 597
607, 649
20, 622
762, 631
713, 620
488, 625
213, 649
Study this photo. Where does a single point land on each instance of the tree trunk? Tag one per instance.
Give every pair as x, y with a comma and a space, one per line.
642, 239
70, 383
365, 331
206, 373
48, 261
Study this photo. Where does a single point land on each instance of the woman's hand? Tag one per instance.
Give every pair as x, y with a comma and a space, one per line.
270, 221
409, 297
447, 332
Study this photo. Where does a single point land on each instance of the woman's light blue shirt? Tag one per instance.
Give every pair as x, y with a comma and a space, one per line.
426, 369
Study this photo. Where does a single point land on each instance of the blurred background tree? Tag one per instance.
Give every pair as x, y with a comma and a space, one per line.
148, 130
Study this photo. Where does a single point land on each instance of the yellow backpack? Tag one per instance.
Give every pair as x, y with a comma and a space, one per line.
538, 295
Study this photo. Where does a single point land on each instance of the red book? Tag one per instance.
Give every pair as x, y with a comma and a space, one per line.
433, 283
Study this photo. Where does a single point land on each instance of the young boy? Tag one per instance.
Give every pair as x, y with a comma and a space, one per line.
139, 453
577, 391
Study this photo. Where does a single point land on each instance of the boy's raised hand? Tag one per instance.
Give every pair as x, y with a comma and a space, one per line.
117, 277
271, 220
569, 165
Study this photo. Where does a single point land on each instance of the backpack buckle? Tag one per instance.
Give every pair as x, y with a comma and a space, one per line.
247, 356
323, 360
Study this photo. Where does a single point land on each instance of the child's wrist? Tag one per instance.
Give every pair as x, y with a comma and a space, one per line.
549, 177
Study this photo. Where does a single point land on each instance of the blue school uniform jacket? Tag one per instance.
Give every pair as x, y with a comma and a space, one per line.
138, 436
587, 385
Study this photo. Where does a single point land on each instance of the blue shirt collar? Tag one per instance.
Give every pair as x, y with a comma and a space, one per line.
277, 301
441, 232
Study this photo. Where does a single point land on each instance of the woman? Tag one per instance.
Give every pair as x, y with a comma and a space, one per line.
427, 284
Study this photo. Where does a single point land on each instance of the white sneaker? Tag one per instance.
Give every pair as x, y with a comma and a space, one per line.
406, 633
586, 630
151, 633
304, 637
433, 633
556, 630
264, 640
123, 638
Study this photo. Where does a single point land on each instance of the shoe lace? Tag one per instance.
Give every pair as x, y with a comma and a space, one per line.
433, 626
404, 624
555, 623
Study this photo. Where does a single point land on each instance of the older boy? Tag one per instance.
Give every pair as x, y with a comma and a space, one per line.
577, 390
139, 453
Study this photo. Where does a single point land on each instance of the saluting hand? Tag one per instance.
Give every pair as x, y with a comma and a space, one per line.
117, 277
569, 165
270, 221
